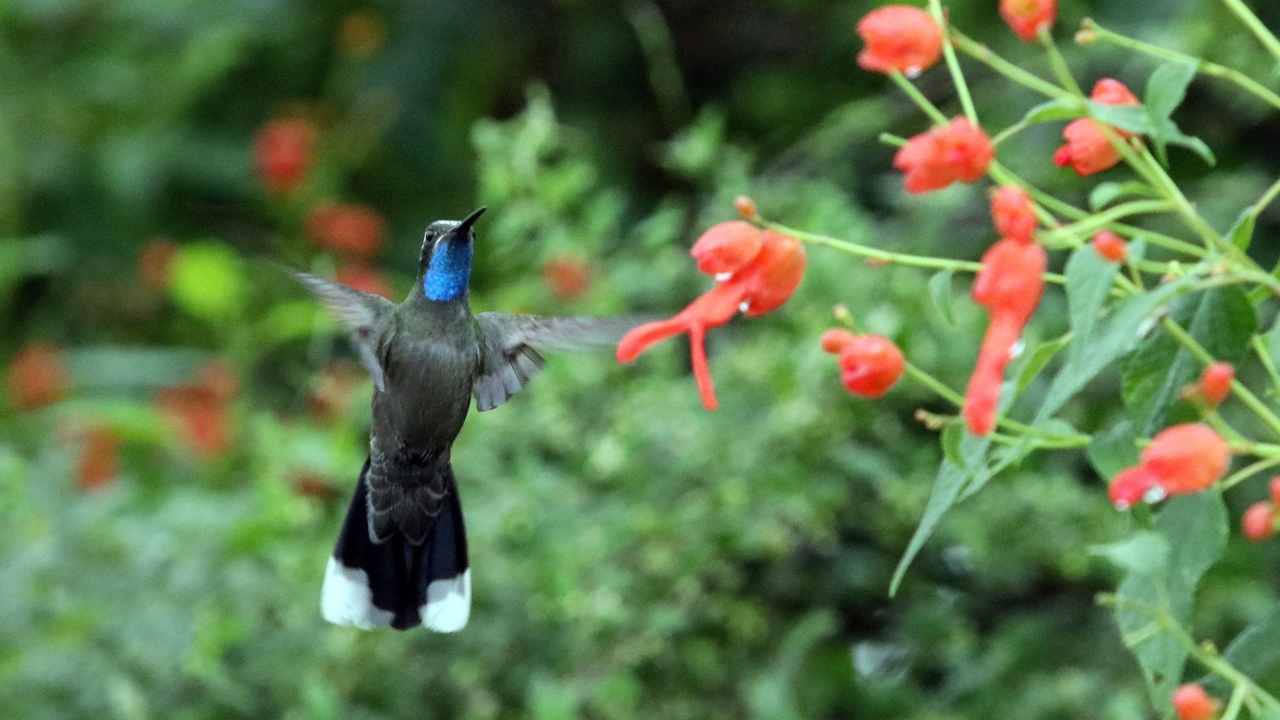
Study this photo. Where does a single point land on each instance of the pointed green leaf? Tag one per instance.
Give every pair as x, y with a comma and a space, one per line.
1038, 359
1145, 553
1105, 193
1167, 86
1065, 109
1256, 651
1113, 449
1241, 234
940, 291
1131, 118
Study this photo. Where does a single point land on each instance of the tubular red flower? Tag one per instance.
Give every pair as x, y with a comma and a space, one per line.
1187, 458
958, 151
870, 365
1130, 486
1258, 522
766, 281
282, 153
899, 37
835, 340
727, 247
1215, 382
1009, 285
1027, 17
1110, 246
353, 229
1013, 213
1087, 150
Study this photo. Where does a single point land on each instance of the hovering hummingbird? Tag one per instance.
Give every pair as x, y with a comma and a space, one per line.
401, 557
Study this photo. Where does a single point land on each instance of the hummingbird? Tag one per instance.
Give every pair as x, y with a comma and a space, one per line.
401, 556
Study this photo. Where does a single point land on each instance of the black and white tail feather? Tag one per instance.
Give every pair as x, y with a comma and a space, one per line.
396, 583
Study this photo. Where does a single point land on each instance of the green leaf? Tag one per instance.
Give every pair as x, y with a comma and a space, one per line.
1038, 359
208, 281
1113, 449
1109, 339
1241, 233
1222, 320
1146, 553
1105, 193
1088, 280
940, 291
1131, 118
952, 436
1167, 86
1169, 133
1065, 109
1256, 651
1195, 530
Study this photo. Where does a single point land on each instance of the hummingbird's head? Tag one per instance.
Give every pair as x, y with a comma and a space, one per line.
445, 262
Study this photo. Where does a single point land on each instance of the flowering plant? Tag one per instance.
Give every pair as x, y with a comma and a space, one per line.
1174, 310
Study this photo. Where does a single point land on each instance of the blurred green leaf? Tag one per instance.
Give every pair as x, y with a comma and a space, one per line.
940, 291
1167, 86
208, 281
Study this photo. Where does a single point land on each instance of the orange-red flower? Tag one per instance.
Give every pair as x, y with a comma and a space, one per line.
1013, 213
1182, 459
201, 410
957, 151
1009, 285
37, 376
1110, 246
1027, 17
98, 465
1087, 150
1259, 521
899, 37
566, 277
753, 283
352, 229
282, 154
1191, 702
363, 277
1215, 382
869, 364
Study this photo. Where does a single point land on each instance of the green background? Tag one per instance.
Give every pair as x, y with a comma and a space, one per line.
634, 555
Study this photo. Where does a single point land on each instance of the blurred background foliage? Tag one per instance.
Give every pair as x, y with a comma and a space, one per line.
182, 426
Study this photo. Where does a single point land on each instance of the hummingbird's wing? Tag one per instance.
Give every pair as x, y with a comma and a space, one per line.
509, 346
367, 316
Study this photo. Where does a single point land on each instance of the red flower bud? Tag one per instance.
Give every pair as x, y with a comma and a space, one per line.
899, 37
774, 275
1191, 702
1187, 458
1258, 522
746, 207
353, 229
566, 277
1027, 17
1087, 150
727, 247
1131, 485
1014, 213
1110, 246
870, 365
37, 376
1215, 382
1109, 91
835, 340
282, 154
957, 151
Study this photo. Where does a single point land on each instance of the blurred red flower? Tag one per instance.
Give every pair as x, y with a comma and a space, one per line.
1181, 459
38, 376
869, 364
282, 154
1110, 246
1013, 213
899, 37
1215, 382
1259, 521
1191, 702
764, 281
351, 229
201, 409
1027, 17
363, 277
1087, 150
957, 151
98, 461
566, 277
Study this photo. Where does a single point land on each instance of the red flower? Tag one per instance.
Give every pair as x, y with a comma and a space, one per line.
869, 364
1009, 285
1191, 702
899, 37
760, 284
1110, 246
957, 151
1274, 487
282, 154
1187, 458
566, 277
1110, 91
362, 277
1215, 382
746, 207
1027, 17
97, 466
1132, 485
1014, 213
200, 409
1258, 522
352, 229
1087, 150
37, 376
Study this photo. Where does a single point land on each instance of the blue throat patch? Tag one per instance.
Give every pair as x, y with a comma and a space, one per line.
449, 272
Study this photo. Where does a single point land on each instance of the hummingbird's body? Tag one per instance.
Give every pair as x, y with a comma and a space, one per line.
401, 557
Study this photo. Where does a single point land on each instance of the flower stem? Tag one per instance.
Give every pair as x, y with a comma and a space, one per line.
1088, 226
1246, 396
1248, 471
984, 55
1255, 25
914, 93
1057, 62
1202, 66
953, 65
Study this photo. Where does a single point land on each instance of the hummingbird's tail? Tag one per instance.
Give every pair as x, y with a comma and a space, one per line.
395, 582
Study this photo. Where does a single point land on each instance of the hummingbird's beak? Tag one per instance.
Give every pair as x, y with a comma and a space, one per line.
466, 223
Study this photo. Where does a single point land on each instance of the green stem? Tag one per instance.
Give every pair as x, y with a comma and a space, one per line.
1246, 396
1058, 63
1092, 224
1202, 66
984, 55
1237, 701
1248, 471
1255, 25
1008, 132
953, 65
1264, 354
914, 93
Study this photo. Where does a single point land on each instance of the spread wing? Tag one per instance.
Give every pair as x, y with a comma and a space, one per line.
366, 316
510, 345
